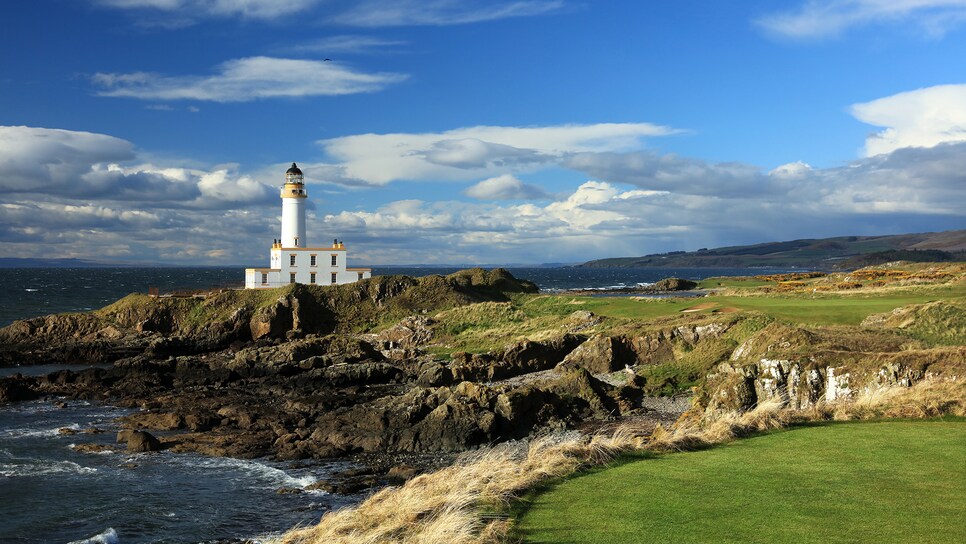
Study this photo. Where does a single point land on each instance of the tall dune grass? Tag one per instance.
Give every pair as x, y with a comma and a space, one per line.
456, 505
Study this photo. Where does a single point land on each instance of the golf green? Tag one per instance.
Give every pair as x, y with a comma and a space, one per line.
894, 481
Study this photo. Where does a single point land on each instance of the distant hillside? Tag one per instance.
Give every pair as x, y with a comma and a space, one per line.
822, 254
26, 262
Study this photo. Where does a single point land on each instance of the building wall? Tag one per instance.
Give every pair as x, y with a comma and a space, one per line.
282, 269
253, 278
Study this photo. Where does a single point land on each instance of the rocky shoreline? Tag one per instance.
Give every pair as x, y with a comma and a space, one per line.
665, 287
351, 372
290, 379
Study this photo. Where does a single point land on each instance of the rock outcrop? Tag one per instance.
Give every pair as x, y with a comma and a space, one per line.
800, 368
172, 326
140, 441
674, 284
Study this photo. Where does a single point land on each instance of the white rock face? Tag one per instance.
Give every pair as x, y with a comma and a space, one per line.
837, 386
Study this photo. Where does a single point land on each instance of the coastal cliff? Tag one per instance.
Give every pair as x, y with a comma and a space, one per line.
159, 326
400, 370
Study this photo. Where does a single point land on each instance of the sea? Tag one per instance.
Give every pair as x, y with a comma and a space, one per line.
50, 493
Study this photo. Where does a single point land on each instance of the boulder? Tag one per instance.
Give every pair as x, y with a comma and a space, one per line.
529, 356
337, 347
433, 374
674, 284
408, 333
141, 442
599, 355
16, 388
402, 472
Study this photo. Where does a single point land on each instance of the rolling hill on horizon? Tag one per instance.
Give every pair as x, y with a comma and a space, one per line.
825, 253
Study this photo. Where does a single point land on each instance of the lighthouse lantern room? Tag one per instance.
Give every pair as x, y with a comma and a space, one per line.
292, 261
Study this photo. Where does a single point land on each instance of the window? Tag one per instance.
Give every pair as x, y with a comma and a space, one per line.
335, 260
312, 278
360, 275
264, 278
312, 261
291, 260
334, 276
291, 277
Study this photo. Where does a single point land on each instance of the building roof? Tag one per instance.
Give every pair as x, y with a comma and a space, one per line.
294, 170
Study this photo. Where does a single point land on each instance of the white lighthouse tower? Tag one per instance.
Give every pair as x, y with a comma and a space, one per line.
293, 208
292, 261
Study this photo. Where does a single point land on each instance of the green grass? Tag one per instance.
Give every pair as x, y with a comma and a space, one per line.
896, 481
817, 309
490, 326
718, 282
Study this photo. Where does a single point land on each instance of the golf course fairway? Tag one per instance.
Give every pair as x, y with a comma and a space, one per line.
890, 481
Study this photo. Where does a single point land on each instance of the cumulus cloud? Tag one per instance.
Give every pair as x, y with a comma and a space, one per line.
79, 194
505, 187
596, 217
469, 153
383, 13
913, 189
83, 165
667, 172
919, 118
825, 18
42, 159
247, 79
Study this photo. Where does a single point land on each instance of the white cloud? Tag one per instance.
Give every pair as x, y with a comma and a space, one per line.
825, 18
465, 154
246, 79
383, 13
505, 187
910, 190
667, 172
792, 170
83, 165
920, 118
253, 9
44, 160
364, 13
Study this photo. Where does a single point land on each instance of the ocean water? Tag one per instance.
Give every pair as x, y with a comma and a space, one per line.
31, 292
50, 493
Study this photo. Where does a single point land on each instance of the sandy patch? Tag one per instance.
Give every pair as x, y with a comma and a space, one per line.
700, 307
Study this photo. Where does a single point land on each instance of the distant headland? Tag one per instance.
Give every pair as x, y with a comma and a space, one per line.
840, 253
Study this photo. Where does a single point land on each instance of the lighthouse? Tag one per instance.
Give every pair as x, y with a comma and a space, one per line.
291, 259
293, 208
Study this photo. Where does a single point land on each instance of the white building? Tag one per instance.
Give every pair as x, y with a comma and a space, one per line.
293, 262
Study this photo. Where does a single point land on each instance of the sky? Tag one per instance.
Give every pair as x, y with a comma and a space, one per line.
475, 131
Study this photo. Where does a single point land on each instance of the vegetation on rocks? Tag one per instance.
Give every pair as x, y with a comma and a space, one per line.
474, 501
401, 366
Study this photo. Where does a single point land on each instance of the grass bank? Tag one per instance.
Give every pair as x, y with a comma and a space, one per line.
470, 502
851, 482
845, 308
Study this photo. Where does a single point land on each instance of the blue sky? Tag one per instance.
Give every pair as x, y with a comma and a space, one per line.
462, 131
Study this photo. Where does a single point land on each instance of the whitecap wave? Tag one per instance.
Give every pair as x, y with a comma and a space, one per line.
107, 537
269, 476
25, 432
39, 467
31, 290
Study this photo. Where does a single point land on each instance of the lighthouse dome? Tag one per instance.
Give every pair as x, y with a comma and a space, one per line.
294, 170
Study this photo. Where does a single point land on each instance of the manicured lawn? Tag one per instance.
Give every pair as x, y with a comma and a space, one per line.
853, 482
827, 309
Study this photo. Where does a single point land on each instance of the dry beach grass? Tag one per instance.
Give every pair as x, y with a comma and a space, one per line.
457, 504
